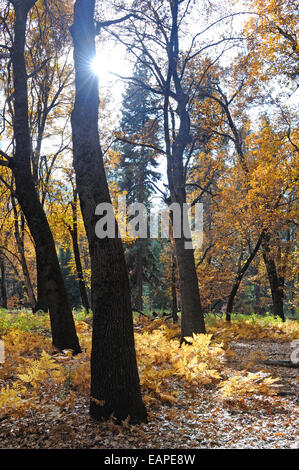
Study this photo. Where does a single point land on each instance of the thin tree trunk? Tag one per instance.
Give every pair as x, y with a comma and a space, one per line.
3, 284
139, 269
176, 144
115, 387
20, 245
174, 303
27, 280
257, 294
74, 235
62, 324
241, 273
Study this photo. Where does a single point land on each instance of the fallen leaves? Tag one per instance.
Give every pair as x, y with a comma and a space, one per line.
208, 394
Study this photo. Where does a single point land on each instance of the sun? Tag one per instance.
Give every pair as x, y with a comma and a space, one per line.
96, 65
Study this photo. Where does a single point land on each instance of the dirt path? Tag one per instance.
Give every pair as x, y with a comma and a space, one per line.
254, 353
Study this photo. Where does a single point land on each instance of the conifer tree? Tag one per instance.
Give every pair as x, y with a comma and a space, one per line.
138, 172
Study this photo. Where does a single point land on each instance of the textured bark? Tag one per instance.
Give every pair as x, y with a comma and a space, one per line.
192, 320
276, 282
115, 387
3, 284
42, 301
74, 235
62, 323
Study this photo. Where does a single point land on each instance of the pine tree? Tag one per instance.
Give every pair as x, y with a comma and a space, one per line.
137, 171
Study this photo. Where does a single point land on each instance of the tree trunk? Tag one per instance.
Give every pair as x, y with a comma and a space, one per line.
139, 269
192, 320
231, 300
19, 236
3, 284
241, 273
174, 302
79, 269
27, 280
276, 282
191, 311
62, 323
42, 301
115, 387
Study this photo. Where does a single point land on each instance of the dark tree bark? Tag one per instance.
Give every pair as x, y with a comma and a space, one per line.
139, 269
42, 301
174, 302
49, 273
115, 387
176, 124
242, 271
3, 283
19, 236
276, 282
192, 314
74, 235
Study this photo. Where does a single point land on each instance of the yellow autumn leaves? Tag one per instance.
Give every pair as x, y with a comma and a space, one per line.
248, 384
32, 377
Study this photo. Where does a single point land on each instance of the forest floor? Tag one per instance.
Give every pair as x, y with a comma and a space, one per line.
198, 418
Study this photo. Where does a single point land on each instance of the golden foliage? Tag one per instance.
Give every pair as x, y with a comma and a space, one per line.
254, 329
32, 377
248, 384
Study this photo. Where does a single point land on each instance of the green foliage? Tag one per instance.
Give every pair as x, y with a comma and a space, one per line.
70, 280
82, 315
23, 321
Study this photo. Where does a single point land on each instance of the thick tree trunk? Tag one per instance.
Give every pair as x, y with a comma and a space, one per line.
115, 387
192, 320
42, 301
276, 282
3, 284
62, 323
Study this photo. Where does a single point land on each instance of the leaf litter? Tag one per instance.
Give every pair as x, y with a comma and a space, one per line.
220, 394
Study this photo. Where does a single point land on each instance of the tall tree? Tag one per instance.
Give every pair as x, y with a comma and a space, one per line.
154, 39
137, 172
115, 387
62, 323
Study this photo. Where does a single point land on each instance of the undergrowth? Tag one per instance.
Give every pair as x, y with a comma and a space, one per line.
34, 376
